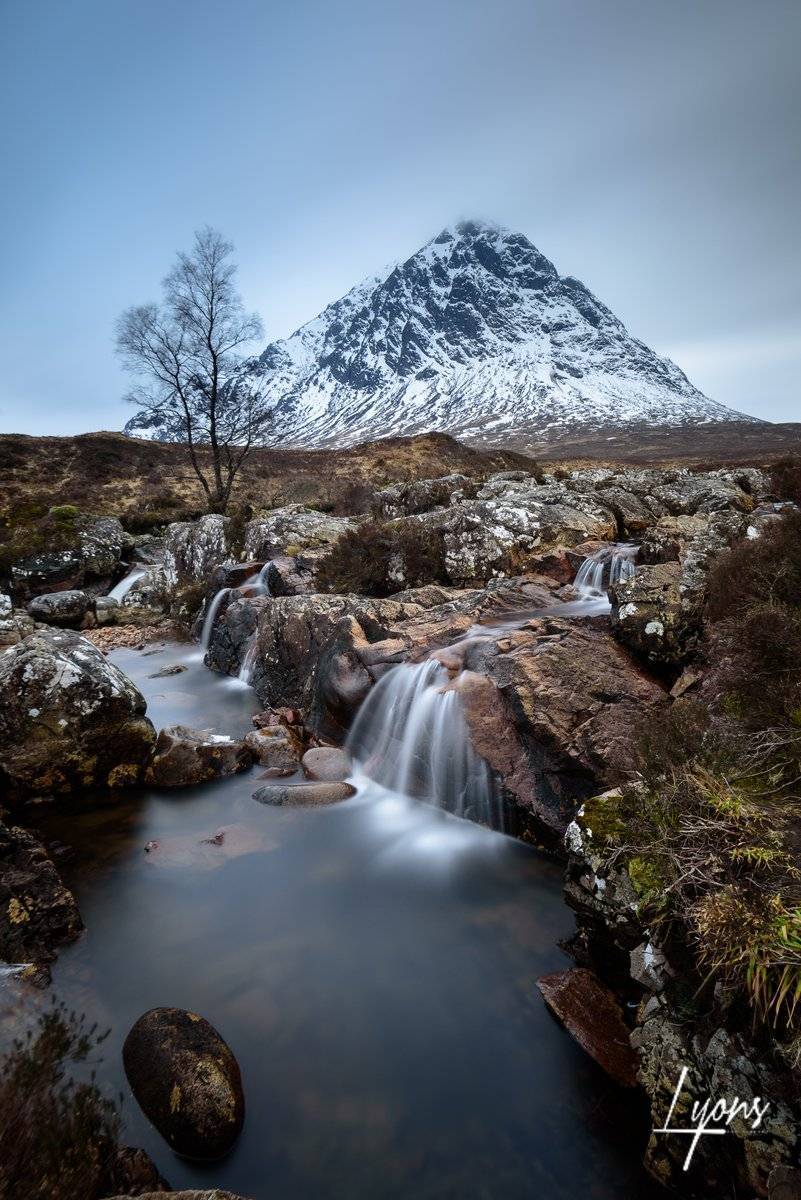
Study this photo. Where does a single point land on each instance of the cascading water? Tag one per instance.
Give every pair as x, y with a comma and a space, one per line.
124, 586
411, 736
211, 617
610, 564
260, 580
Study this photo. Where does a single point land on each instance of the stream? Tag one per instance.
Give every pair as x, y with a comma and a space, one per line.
372, 965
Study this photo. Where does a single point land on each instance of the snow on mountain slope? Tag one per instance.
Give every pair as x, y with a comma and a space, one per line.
476, 335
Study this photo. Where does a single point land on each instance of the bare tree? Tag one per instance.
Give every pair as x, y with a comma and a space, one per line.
184, 354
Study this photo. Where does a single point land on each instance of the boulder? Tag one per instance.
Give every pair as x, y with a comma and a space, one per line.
101, 541
186, 1081
275, 746
592, 1015
185, 756
193, 548
37, 912
303, 795
68, 609
69, 719
327, 764
573, 696
651, 617
296, 576
288, 530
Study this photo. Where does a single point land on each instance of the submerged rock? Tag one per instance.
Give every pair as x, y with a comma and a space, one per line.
313, 795
185, 756
327, 764
592, 1015
37, 912
186, 1080
69, 719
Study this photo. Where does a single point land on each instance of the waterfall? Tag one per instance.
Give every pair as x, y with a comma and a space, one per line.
211, 617
260, 580
124, 586
603, 567
411, 736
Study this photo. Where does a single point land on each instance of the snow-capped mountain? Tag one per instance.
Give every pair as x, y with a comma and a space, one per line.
477, 335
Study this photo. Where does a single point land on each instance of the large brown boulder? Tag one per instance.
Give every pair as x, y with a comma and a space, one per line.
186, 1080
573, 697
69, 719
37, 912
185, 756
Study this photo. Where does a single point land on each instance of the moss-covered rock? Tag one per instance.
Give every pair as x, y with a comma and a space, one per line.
69, 719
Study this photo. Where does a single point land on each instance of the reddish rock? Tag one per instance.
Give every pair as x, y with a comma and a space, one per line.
592, 1015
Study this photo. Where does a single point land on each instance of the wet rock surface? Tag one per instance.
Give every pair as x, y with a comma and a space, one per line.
592, 1015
301, 795
327, 764
185, 756
186, 1080
37, 912
68, 718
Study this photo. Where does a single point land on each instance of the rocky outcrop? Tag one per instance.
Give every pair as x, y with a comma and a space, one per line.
66, 610
69, 719
186, 756
193, 548
186, 1080
659, 611
422, 495
286, 531
573, 697
37, 912
93, 560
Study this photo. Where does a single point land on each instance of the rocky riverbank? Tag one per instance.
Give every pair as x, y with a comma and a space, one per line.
557, 694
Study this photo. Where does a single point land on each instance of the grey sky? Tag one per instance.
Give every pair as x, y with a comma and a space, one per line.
650, 148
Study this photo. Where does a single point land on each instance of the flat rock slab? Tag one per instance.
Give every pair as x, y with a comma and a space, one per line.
591, 1014
327, 764
303, 794
214, 1194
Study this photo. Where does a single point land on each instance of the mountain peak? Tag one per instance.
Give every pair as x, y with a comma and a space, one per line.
476, 334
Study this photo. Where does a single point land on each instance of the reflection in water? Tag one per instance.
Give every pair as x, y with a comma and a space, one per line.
372, 965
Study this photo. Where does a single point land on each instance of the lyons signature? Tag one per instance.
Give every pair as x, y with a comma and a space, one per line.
712, 1116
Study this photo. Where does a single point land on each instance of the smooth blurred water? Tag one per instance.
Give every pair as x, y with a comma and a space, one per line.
373, 967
